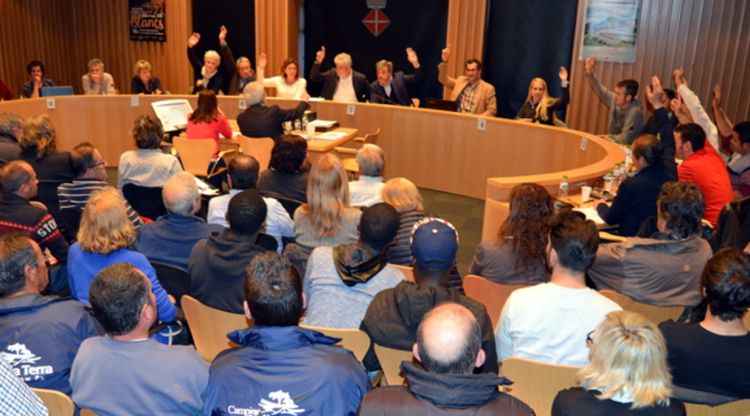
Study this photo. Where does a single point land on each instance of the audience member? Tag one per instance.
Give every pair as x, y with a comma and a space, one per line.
519, 255
341, 281
625, 113
260, 120
698, 114
143, 82
39, 334
391, 88
242, 175
539, 107
469, 91
652, 126
449, 347
627, 375
288, 84
393, 315
125, 372
5, 91
148, 166
170, 239
342, 83
16, 398
240, 72
217, 264
208, 121
367, 189
739, 167
286, 176
103, 240
723, 123
403, 195
711, 356
548, 322
663, 270
96, 81
11, 131
279, 366
206, 74
37, 80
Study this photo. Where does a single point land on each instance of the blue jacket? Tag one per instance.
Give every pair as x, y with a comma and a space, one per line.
288, 370
40, 336
171, 238
399, 92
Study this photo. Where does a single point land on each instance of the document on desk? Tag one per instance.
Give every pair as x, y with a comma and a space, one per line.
591, 214
331, 135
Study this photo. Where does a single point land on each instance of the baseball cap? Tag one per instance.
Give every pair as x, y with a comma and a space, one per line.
434, 243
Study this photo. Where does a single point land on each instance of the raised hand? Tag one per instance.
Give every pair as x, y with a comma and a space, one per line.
716, 96
320, 55
445, 53
588, 65
411, 56
655, 93
262, 61
679, 76
223, 35
563, 73
194, 39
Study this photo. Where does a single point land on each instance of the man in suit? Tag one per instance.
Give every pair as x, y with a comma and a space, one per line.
260, 120
342, 83
390, 88
470, 92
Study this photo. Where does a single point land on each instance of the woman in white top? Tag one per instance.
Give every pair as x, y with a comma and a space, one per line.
288, 84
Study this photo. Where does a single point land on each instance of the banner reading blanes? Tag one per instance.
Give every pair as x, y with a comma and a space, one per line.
147, 20
610, 30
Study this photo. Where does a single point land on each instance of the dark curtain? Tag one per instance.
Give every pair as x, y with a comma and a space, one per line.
527, 39
337, 24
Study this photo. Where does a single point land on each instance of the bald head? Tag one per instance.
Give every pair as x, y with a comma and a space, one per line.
181, 195
449, 340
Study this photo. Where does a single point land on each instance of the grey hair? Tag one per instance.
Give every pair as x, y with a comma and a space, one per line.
212, 54
254, 93
182, 191
343, 59
371, 160
9, 122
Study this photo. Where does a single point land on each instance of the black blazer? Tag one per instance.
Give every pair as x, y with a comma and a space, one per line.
399, 93
331, 80
262, 121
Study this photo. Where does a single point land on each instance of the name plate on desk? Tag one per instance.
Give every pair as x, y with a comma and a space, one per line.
324, 125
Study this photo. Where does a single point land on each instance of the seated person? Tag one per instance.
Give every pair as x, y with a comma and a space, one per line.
471, 94
367, 189
11, 130
125, 372
96, 81
519, 255
711, 356
240, 72
143, 83
403, 195
242, 175
393, 315
627, 374
206, 75
288, 84
217, 264
341, 281
539, 107
739, 168
391, 88
33, 87
625, 113
148, 166
342, 84
208, 121
39, 335
15, 396
260, 120
103, 240
663, 270
280, 365
5, 91
286, 176
693, 111
526, 329
171, 238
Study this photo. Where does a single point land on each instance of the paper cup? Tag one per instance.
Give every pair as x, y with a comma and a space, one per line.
585, 193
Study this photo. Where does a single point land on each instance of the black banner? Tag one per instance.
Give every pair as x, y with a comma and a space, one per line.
148, 20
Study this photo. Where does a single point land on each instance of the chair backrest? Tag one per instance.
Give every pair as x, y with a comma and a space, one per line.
490, 294
740, 407
289, 204
406, 270
656, 314
146, 201
210, 326
87, 412
258, 147
58, 404
390, 362
353, 339
195, 154
71, 221
537, 384
175, 280
372, 137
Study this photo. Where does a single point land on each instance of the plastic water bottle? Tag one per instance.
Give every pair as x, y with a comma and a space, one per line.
564, 188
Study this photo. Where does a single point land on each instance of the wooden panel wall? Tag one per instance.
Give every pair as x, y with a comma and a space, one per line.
465, 35
710, 39
277, 31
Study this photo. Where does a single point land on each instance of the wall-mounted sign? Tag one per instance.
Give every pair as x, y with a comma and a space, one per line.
147, 20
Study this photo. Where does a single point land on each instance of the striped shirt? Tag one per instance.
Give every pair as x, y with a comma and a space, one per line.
74, 195
15, 396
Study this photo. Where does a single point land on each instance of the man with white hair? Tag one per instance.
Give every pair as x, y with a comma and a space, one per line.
342, 83
366, 190
260, 120
207, 73
171, 238
449, 348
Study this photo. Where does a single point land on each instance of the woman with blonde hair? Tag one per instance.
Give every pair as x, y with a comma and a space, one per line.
627, 373
327, 219
403, 195
539, 107
103, 239
143, 82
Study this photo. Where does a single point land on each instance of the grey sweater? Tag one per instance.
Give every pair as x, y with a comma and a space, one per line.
624, 123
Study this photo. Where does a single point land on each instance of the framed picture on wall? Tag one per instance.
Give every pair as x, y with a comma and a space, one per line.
610, 30
147, 20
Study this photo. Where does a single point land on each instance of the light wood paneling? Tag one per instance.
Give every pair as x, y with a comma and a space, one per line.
277, 31
710, 39
465, 34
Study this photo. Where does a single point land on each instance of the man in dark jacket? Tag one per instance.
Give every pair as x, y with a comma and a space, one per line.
240, 71
11, 129
391, 88
260, 120
39, 335
394, 314
281, 368
449, 347
342, 83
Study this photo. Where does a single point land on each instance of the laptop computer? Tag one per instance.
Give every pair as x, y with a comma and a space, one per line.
438, 104
57, 91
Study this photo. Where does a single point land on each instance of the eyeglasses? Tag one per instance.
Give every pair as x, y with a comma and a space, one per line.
589, 340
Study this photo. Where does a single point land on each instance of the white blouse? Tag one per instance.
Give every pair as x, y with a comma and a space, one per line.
283, 90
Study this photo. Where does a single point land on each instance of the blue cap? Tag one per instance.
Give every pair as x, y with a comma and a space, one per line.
434, 243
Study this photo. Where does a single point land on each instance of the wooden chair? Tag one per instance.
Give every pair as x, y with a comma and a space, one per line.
390, 362
195, 155
656, 314
353, 340
738, 408
258, 147
58, 404
406, 270
490, 294
87, 412
536, 383
746, 319
210, 327
350, 163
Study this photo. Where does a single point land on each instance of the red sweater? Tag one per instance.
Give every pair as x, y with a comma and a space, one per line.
210, 131
707, 171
